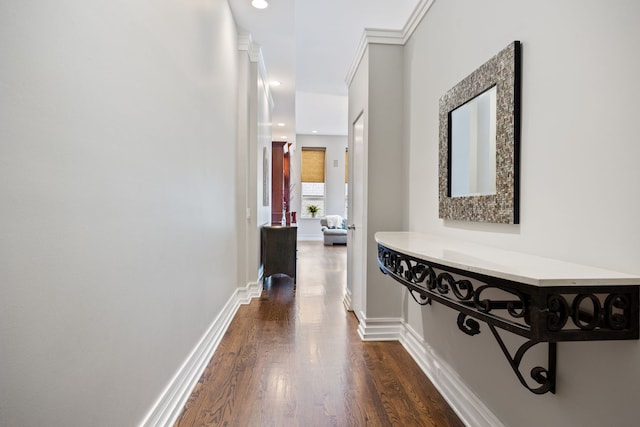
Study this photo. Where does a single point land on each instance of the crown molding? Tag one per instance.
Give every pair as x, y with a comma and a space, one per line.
254, 52
245, 40
382, 36
391, 37
372, 36
416, 17
246, 44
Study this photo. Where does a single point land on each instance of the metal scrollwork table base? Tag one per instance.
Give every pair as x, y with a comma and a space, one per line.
540, 299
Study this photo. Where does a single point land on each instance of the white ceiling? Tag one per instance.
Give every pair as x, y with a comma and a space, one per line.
309, 46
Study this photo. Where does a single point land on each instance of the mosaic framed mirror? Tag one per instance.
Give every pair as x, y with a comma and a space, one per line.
479, 148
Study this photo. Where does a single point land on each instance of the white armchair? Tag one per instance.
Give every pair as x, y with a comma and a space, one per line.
334, 230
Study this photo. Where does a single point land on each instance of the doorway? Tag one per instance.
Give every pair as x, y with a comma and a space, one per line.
356, 240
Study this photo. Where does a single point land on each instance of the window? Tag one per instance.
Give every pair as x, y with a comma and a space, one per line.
312, 180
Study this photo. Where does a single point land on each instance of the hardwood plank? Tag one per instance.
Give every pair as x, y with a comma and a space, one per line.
293, 358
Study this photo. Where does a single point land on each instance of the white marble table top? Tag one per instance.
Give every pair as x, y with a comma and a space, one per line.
510, 265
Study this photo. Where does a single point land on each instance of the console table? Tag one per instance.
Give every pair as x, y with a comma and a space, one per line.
278, 250
541, 299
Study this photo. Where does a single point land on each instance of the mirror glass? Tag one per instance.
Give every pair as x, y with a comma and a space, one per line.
473, 146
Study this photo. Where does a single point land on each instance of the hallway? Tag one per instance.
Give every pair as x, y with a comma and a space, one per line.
293, 358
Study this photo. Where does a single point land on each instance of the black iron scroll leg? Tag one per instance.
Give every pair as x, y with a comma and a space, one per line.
545, 377
420, 299
553, 349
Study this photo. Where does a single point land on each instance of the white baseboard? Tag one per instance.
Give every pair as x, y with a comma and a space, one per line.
347, 299
246, 294
380, 329
169, 405
463, 401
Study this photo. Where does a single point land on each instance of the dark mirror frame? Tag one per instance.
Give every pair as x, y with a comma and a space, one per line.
504, 72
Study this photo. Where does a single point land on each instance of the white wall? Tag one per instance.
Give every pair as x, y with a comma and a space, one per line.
386, 171
321, 111
245, 186
117, 220
263, 140
260, 163
376, 90
253, 142
579, 180
309, 228
358, 110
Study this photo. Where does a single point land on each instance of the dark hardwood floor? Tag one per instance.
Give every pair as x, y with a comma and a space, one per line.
293, 358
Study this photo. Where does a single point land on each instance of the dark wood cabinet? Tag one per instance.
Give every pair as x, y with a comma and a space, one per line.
280, 180
278, 250
277, 181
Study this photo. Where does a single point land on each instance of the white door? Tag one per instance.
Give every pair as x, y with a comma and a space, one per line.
357, 223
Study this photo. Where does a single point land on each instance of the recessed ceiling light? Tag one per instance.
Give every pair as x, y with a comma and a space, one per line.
281, 124
275, 83
314, 131
259, 4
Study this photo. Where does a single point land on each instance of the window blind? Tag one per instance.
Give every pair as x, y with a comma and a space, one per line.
312, 164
